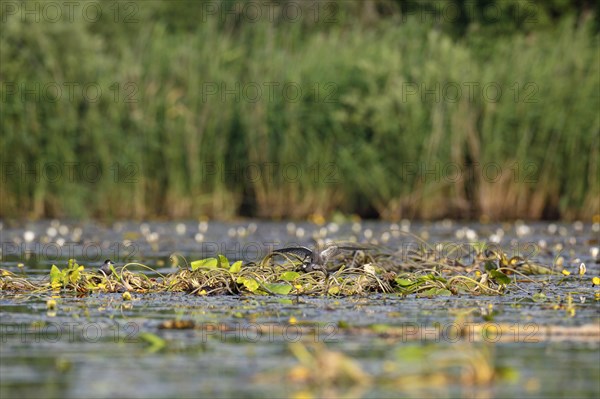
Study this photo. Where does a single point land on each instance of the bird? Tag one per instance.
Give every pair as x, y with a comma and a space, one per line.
317, 260
105, 268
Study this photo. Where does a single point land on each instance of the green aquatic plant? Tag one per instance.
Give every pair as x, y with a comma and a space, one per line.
422, 272
70, 275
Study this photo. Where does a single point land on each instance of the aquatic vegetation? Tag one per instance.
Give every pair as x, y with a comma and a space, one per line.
422, 271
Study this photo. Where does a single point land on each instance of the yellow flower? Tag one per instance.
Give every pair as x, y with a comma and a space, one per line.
51, 304
126, 296
566, 272
596, 281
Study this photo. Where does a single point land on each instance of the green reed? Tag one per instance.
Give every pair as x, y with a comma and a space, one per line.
180, 130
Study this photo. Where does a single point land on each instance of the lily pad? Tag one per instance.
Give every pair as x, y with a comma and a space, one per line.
223, 262
499, 277
236, 267
209, 263
404, 282
289, 276
277, 288
250, 283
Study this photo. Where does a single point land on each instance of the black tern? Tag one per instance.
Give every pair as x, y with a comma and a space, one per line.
315, 260
105, 268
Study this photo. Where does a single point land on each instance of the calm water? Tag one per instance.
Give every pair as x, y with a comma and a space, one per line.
94, 346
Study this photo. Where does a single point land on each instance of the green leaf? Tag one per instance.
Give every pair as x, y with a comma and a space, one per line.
432, 277
499, 277
489, 265
435, 292
533, 268
278, 288
403, 282
289, 276
250, 283
75, 274
55, 276
236, 267
333, 290
209, 263
223, 262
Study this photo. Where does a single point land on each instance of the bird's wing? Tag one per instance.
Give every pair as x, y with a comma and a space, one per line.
301, 252
329, 252
335, 248
353, 246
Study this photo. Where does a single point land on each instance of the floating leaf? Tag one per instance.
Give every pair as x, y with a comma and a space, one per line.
236, 267
403, 282
435, 292
499, 277
277, 288
75, 274
55, 276
289, 276
250, 283
209, 263
223, 262
489, 265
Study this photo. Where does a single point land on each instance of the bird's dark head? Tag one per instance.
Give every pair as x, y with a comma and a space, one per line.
311, 267
105, 268
307, 265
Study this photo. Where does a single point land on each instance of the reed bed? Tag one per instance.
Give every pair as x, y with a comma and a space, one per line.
385, 117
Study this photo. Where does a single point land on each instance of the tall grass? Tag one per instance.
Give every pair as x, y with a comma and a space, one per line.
364, 136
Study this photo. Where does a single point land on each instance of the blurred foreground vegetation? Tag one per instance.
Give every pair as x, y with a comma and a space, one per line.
383, 108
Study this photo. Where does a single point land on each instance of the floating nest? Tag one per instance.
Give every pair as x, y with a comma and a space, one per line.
423, 272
